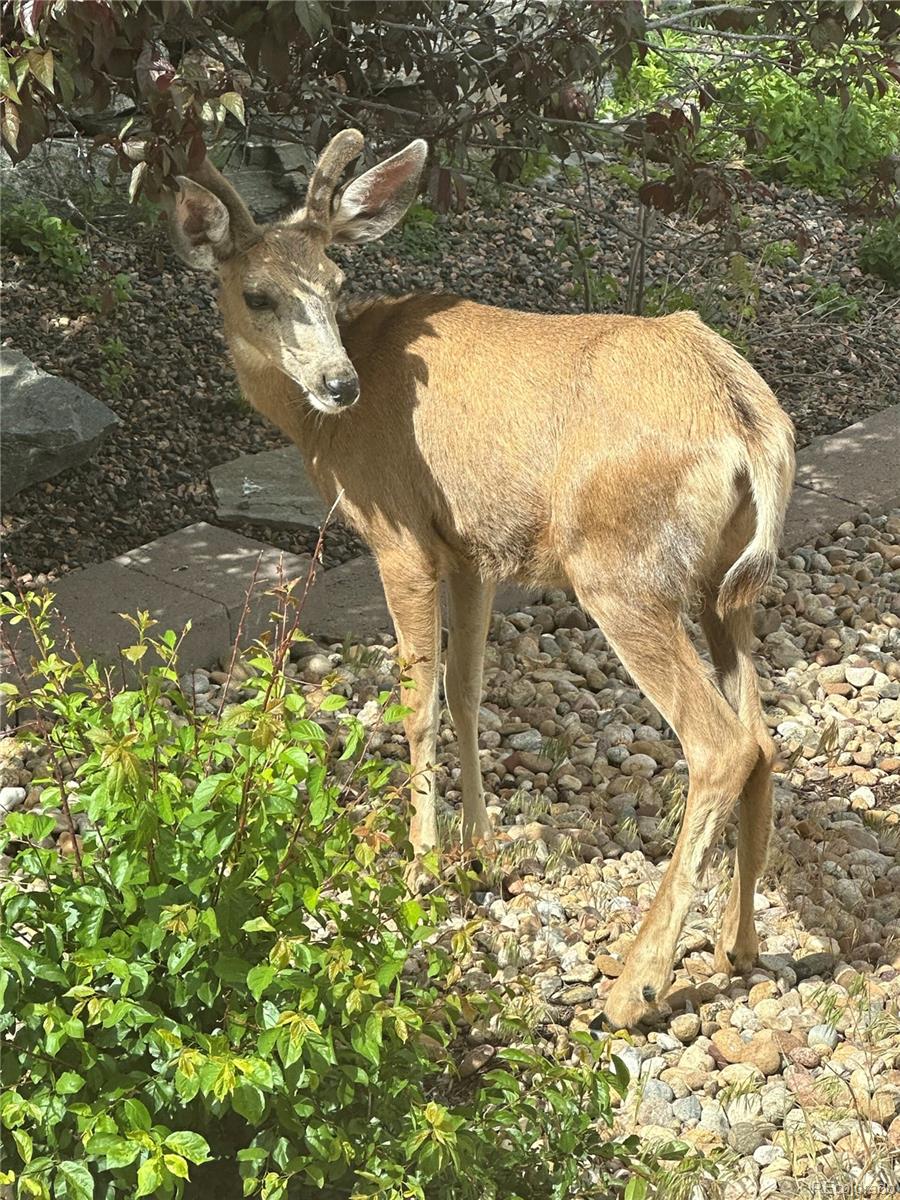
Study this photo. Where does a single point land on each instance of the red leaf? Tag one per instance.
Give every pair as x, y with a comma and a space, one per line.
657, 195
30, 15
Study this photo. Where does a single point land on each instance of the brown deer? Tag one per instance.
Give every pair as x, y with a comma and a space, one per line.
641, 462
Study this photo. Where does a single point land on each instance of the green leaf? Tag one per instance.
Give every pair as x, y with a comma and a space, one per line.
30, 825
24, 1145
249, 1101
176, 1165
190, 1145
69, 1083
150, 1177
234, 104
136, 1115
76, 1180
259, 978
118, 1151
333, 702
396, 712
41, 64
636, 1188
258, 925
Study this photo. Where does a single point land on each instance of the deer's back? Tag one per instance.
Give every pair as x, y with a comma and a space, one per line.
499, 435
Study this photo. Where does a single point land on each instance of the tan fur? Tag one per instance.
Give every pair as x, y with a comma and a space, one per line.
641, 462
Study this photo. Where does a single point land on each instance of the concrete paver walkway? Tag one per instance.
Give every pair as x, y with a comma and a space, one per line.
203, 572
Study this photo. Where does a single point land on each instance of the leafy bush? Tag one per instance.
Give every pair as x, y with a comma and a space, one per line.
812, 140
779, 254
780, 123
116, 369
223, 987
879, 253
832, 300
476, 86
422, 237
29, 228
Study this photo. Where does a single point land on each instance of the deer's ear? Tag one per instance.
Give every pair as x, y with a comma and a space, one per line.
374, 203
200, 226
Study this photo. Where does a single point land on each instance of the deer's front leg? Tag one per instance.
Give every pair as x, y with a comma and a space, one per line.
412, 592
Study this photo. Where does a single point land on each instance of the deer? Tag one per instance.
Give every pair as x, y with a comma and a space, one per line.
640, 462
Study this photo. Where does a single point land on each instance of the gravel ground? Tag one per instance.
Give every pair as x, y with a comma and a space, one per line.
182, 414
793, 1073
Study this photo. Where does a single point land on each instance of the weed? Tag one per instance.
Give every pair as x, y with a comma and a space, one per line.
29, 228
779, 254
115, 290
423, 239
879, 252
832, 300
116, 369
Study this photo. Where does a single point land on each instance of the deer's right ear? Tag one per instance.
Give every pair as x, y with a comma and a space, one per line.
200, 226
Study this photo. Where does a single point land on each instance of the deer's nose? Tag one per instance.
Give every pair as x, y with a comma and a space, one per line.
343, 389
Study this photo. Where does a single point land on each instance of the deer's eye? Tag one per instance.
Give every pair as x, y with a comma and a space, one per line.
258, 301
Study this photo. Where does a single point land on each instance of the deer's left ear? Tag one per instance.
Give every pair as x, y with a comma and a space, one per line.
371, 205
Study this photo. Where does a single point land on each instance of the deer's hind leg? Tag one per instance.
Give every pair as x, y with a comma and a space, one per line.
729, 641
654, 646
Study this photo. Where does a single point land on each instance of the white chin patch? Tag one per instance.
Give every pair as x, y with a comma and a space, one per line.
324, 406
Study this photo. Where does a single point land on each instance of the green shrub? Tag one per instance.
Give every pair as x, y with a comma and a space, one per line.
227, 988
30, 229
832, 300
809, 139
779, 254
879, 252
116, 370
422, 236
112, 291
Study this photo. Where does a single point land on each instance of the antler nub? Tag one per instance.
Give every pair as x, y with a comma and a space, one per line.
341, 150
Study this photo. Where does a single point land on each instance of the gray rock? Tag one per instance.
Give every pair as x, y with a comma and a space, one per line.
712, 1117
655, 1089
765, 1155
632, 1059
657, 1112
528, 739
747, 1136
260, 191
48, 424
270, 488
777, 1102
823, 1035
814, 964
688, 1109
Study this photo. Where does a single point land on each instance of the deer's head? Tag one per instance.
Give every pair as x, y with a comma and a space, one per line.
279, 289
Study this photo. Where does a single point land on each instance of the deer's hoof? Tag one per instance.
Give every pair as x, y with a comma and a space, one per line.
736, 959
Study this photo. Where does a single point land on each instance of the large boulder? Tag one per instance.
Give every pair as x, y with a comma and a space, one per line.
48, 424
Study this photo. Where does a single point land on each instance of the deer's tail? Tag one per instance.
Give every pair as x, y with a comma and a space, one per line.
769, 467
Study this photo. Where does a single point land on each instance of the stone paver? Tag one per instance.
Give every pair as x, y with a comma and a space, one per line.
270, 488
219, 565
859, 465
347, 602
89, 601
49, 424
811, 513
